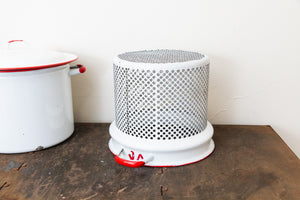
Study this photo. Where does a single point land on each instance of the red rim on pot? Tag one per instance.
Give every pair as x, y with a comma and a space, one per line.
21, 57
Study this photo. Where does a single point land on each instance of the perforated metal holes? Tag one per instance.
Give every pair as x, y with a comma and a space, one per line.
161, 104
160, 56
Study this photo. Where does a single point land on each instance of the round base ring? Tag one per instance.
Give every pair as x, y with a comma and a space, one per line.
160, 153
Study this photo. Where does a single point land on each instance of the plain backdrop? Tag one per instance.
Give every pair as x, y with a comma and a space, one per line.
253, 46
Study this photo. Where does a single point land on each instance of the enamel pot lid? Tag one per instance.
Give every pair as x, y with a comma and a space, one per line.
20, 57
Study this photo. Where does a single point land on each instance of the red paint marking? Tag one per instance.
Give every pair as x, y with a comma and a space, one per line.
131, 156
140, 156
164, 165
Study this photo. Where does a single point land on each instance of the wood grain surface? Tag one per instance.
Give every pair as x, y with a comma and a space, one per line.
249, 162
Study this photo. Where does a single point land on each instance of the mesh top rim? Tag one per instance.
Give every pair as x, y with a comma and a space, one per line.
160, 56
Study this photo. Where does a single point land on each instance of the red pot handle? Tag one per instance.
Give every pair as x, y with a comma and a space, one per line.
82, 68
129, 163
77, 69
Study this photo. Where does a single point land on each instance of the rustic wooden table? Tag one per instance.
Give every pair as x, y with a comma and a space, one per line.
249, 162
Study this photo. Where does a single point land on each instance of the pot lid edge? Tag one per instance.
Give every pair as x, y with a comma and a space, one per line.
38, 67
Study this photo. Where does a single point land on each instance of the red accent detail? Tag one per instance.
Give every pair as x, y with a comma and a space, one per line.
15, 41
131, 156
129, 163
167, 165
140, 156
23, 69
82, 68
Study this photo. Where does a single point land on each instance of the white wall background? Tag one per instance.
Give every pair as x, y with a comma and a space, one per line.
254, 48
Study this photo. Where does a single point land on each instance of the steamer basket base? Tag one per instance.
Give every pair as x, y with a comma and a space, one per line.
136, 152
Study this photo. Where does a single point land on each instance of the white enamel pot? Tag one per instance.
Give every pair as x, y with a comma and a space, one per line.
36, 109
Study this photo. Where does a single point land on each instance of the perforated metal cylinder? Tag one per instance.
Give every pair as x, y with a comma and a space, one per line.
161, 94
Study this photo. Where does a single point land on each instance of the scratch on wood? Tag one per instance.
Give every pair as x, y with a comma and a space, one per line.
89, 197
162, 170
121, 190
23, 165
163, 189
5, 184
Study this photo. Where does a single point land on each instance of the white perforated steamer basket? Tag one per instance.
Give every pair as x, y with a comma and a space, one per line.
161, 108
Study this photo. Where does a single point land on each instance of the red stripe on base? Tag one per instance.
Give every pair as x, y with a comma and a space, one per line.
174, 165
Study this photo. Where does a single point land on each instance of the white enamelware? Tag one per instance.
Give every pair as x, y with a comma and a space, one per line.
134, 152
160, 109
36, 109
